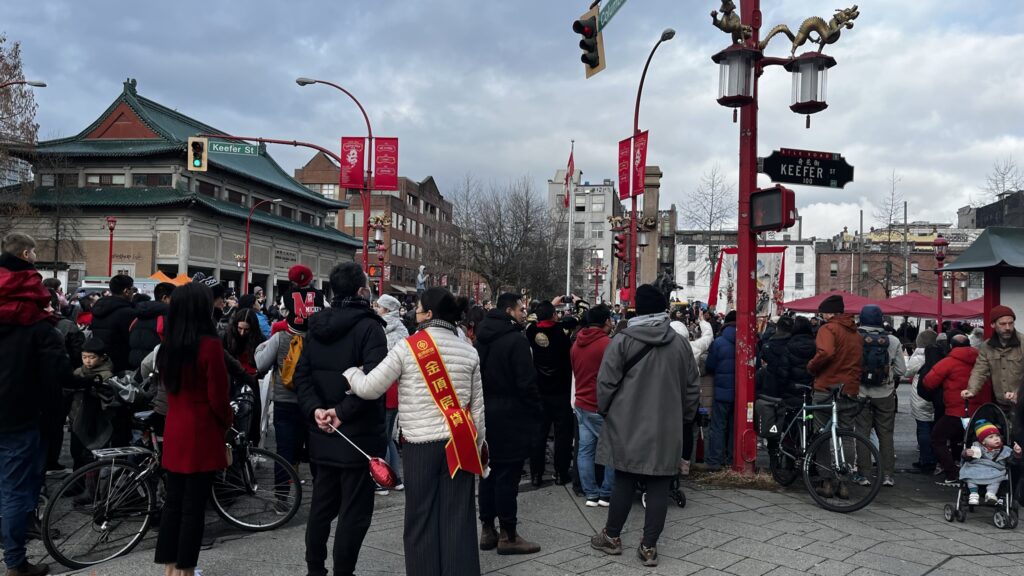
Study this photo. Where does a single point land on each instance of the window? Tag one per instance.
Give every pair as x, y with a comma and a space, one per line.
208, 189
306, 218
799, 281
104, 179
581, 203
691, 253
332, 220
597, 230
354, 218
579, 229
598, 255
151, 180
691, 278
864, 269
833, 269
560, 201
264, 207
597, 204
799, 254
60, 180
236, 197
915, 269
329, 190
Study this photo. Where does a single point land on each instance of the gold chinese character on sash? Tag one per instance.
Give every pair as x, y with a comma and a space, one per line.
447, 402
433, 367
456, 418
439, 385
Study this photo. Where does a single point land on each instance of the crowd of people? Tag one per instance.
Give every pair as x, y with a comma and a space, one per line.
461, 399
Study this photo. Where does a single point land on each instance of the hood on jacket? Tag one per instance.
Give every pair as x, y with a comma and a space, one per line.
729, 333
656, 334
332, 324
22, 294
108, 305
965, 354
495, 325
589, 335
845, 322
15, 264
151, 309
392, 321
871, 316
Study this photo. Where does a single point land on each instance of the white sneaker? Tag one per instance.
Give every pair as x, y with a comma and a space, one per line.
592, 503
973, 499
399, 487
603, 503
887, 481
684, 467
991, 498
381, 492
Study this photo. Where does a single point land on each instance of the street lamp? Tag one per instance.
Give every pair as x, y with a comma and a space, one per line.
633, 275
248, 226
741, 64
368, 185
939, 245
597, 270
379, 224
111, 224
35, 83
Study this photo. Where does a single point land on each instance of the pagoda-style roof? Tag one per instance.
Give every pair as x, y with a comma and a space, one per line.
135, 126
997, 247
164, 197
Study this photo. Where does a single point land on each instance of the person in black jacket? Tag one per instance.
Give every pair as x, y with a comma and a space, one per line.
551, 357
147, 330
513, 408
34, 368
799, 351
112, 317
348, 334
775, 358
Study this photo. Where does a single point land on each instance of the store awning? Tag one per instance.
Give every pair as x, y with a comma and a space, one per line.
997, 246
399, 288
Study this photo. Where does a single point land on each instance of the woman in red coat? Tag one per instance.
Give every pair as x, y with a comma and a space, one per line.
192, 370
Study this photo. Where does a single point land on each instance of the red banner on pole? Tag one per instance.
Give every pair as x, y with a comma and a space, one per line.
569, 173
385, 164
353, 152
625, 153
639, 162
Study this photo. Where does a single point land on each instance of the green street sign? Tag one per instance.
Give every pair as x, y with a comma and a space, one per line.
608, 11
241, 148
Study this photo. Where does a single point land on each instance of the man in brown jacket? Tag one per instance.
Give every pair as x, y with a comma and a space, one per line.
1001, 360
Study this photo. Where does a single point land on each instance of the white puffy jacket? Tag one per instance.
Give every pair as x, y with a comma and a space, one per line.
420, 418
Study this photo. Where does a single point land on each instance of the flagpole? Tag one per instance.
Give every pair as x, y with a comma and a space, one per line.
571, 207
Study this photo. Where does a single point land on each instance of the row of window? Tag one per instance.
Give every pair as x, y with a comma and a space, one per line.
833, 269
597, 202
118, 179
691, 254
798, 280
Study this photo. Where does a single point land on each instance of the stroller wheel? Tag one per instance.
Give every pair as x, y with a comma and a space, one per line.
1013, 520
680, 498
961, 515
948, 513
643, 500
1001, 519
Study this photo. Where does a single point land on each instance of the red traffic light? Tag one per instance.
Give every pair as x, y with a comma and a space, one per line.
772, 209
619, 244
587, 27
373, 271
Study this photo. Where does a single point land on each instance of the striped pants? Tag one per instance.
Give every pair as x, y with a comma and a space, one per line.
440, 515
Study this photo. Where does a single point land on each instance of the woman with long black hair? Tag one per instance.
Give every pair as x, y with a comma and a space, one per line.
242, 338
192, 370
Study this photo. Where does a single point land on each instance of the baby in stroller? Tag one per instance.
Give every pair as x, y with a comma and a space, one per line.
984, 463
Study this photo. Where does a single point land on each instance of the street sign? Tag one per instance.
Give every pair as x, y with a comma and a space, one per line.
608, 11
807, 167
241, 148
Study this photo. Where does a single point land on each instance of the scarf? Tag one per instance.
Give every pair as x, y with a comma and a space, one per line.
436, 323
648, 319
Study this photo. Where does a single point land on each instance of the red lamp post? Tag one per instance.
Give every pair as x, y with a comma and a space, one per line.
364, 193
939, 245
741, 65
248, 226
597, 270
379, 224
111, 224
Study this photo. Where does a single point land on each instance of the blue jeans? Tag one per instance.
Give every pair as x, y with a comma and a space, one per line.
22, 459
924, 443
719, 452
392, 458
590, 430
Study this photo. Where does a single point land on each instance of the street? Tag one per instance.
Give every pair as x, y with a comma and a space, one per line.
721, 531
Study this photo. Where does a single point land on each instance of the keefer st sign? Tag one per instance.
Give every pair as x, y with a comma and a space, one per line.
807, 167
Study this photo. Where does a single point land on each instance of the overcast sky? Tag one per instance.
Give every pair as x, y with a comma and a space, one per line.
930, 89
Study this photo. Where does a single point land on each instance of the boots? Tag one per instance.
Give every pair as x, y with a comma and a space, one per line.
511, 543
28, 569
488, 537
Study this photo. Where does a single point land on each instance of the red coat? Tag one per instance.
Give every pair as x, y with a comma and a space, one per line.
199, 414
587, 353
953, 373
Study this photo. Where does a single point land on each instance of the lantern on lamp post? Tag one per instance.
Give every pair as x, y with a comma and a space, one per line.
111, 224
810, 80
939, 245
736, 65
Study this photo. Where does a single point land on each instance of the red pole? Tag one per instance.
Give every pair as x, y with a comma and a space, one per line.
938, 274
746, 290
245, 279
110, 254
368, 187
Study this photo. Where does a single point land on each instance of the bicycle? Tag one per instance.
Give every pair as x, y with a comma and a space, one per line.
104, 509
826, 457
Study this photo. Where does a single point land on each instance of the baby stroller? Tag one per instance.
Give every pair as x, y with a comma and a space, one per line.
1006, 507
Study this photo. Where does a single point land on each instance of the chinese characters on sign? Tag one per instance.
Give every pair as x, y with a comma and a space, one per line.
385, 164
352, 155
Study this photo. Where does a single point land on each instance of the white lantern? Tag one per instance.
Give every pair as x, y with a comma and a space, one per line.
810, 80
736, 75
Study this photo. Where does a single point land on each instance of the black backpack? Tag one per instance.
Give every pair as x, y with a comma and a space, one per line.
874, 365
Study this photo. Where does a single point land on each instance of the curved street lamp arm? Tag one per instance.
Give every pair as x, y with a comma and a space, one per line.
369, 130
640, 89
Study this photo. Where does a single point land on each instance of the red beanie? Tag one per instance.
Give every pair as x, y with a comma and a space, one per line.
1000, 311
300, 275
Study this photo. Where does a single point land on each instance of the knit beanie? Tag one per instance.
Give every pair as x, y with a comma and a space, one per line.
650, 300
832, 305
1000, 311
926, 338
389, 303
983, 429
730, 318
95, 346
300, 275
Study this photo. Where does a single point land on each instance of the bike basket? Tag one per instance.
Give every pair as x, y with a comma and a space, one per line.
123, 452
768, 418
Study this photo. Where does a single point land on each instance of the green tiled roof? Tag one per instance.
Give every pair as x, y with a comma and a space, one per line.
164, 197
174, 130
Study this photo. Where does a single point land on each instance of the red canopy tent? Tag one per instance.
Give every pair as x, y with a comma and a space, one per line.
851, 302
921, 306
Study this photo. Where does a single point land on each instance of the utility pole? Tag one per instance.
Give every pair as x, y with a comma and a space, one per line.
906, 251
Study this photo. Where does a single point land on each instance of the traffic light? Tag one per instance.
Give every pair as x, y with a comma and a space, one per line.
374, 271
619, 247
592, 43
197, 148
772, 209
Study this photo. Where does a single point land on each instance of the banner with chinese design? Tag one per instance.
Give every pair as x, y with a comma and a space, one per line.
639, 162
770, 274
385, 164
353, 152
625, 153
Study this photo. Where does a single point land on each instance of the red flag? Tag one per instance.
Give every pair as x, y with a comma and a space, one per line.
352, 154
624, 155
569, 172
385, 164
639, 162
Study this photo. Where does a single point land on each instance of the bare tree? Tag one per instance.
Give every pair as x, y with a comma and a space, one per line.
18, 127
1005, 176
889, 216
710, 208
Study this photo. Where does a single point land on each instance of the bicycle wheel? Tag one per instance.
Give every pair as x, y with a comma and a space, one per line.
849, 485
100, 512
258, 493
783, 467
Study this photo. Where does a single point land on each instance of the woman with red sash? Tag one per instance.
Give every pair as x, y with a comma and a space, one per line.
441, 408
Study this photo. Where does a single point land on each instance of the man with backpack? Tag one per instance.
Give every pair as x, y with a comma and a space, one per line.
882, 365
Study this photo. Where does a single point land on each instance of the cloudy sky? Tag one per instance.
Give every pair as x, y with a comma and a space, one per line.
931, 90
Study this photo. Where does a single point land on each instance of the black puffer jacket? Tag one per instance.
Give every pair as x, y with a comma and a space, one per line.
146, 331
112, 317
346, 335
511, 400
551, 358
800, 349
775, 359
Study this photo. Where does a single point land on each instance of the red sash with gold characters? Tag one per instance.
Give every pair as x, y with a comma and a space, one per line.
461, 449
